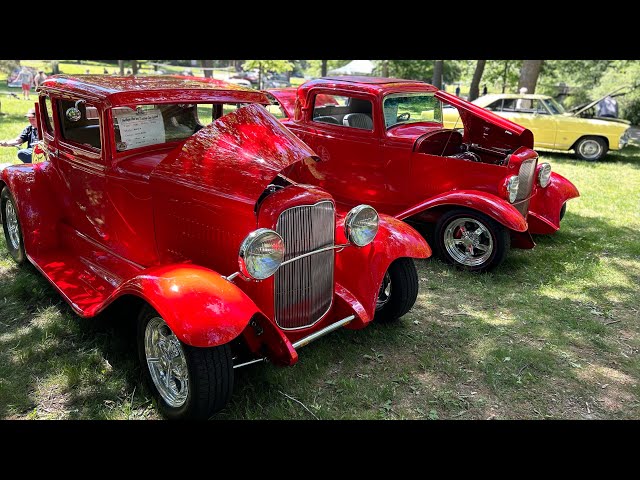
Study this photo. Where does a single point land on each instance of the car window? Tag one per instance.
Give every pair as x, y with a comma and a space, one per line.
47, 109
351, 112
276, 110
403, 108
80, 123
554, 106
495, 106
539, 108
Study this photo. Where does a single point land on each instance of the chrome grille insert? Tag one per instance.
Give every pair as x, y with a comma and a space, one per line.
525, 176
304, 288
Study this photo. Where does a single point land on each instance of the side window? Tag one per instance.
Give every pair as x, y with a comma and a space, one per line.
276, 110
45, 105
539, 108
509, 105
342, 110
495, 106
82, 130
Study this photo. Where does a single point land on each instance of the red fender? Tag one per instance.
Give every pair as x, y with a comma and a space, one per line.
395, 239
201, 307
545, 205
38, 206
498, 209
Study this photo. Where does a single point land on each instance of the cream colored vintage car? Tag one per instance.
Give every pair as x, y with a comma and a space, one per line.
553, 127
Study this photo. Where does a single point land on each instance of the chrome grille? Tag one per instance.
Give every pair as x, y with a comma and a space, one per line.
304, 288
525, 177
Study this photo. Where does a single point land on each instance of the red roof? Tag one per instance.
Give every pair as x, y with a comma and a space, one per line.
372, 85
114, 90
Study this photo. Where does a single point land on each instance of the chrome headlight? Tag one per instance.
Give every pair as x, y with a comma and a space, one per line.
544, 174
511, 187
261, 254
361, 225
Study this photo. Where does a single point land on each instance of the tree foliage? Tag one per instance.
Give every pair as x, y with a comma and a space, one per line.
421, 69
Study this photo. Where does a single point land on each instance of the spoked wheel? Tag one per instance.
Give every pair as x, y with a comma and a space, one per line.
11, 226
398, 290
187, 382
471, 240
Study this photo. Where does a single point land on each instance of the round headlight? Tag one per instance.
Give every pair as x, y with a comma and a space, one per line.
261, 253
544, 174
361, 225
512, 188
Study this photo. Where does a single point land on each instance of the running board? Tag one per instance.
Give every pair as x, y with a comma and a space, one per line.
306, 340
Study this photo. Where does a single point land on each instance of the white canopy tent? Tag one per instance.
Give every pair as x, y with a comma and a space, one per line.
354, 67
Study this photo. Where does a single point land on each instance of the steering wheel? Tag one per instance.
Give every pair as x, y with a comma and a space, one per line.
403, 117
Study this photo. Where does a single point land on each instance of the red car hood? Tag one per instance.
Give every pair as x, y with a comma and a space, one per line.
237, 156
481, 124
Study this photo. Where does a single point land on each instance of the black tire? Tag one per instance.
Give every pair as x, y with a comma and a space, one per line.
591, 149
494, 237
563, 210
398, 291
210, 375
15, 243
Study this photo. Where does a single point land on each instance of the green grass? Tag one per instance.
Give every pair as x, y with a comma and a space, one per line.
552, 333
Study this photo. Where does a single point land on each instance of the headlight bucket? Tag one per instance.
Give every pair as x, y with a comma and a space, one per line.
361, 225
261, 254
544, 174
510, 188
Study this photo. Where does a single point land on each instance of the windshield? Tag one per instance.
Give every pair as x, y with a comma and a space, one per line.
405, 108
138, 126
554, 106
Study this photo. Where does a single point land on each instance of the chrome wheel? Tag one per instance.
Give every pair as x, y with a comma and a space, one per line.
468, 241
12, 224
590, 149
167, 362
385, 291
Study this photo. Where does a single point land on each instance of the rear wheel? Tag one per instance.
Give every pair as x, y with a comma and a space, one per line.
11, 226
591, 149
398, 291
187, 382
471, 240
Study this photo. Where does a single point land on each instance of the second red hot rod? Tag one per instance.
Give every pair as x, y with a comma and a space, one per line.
383, 143
133, 199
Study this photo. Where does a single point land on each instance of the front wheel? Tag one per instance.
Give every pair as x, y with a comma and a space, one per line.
187, 382
398, 291
591, 149
471, 240
11, 226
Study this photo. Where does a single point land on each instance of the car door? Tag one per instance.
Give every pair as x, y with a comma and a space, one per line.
80, 164
531, 113
343, 129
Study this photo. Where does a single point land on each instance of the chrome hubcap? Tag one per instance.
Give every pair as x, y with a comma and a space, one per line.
385, 292
167, 362
468, 241
590, 149
12, 224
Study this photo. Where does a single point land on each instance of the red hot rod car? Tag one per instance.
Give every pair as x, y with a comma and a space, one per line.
133, 198
383, 143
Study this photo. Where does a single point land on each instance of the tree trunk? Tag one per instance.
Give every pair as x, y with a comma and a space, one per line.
121, 66
323, 69
260, 76
474, 89
504, 76
207, 64
438, 68
134, 67
529, 75
385, 68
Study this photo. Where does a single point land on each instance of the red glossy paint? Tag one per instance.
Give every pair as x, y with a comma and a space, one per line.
408, 171
544, 209
164, 222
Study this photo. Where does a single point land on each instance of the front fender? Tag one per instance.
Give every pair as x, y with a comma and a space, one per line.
395, 239
545, 205
39, 209
500, 210
201, 307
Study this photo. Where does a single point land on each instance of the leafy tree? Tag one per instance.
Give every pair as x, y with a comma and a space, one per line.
7, 66
529, 73
423, 69
314, 67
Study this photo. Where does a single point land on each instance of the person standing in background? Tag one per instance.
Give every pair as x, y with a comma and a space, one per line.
607, 107
39, 78
25, 77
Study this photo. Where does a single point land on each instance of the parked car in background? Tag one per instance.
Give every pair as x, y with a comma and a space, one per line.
171, 196
276, 80
384, 143
552, 127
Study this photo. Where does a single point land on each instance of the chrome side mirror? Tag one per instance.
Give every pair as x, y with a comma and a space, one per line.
74, 114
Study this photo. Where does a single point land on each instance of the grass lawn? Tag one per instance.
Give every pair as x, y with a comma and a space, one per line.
553, 333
